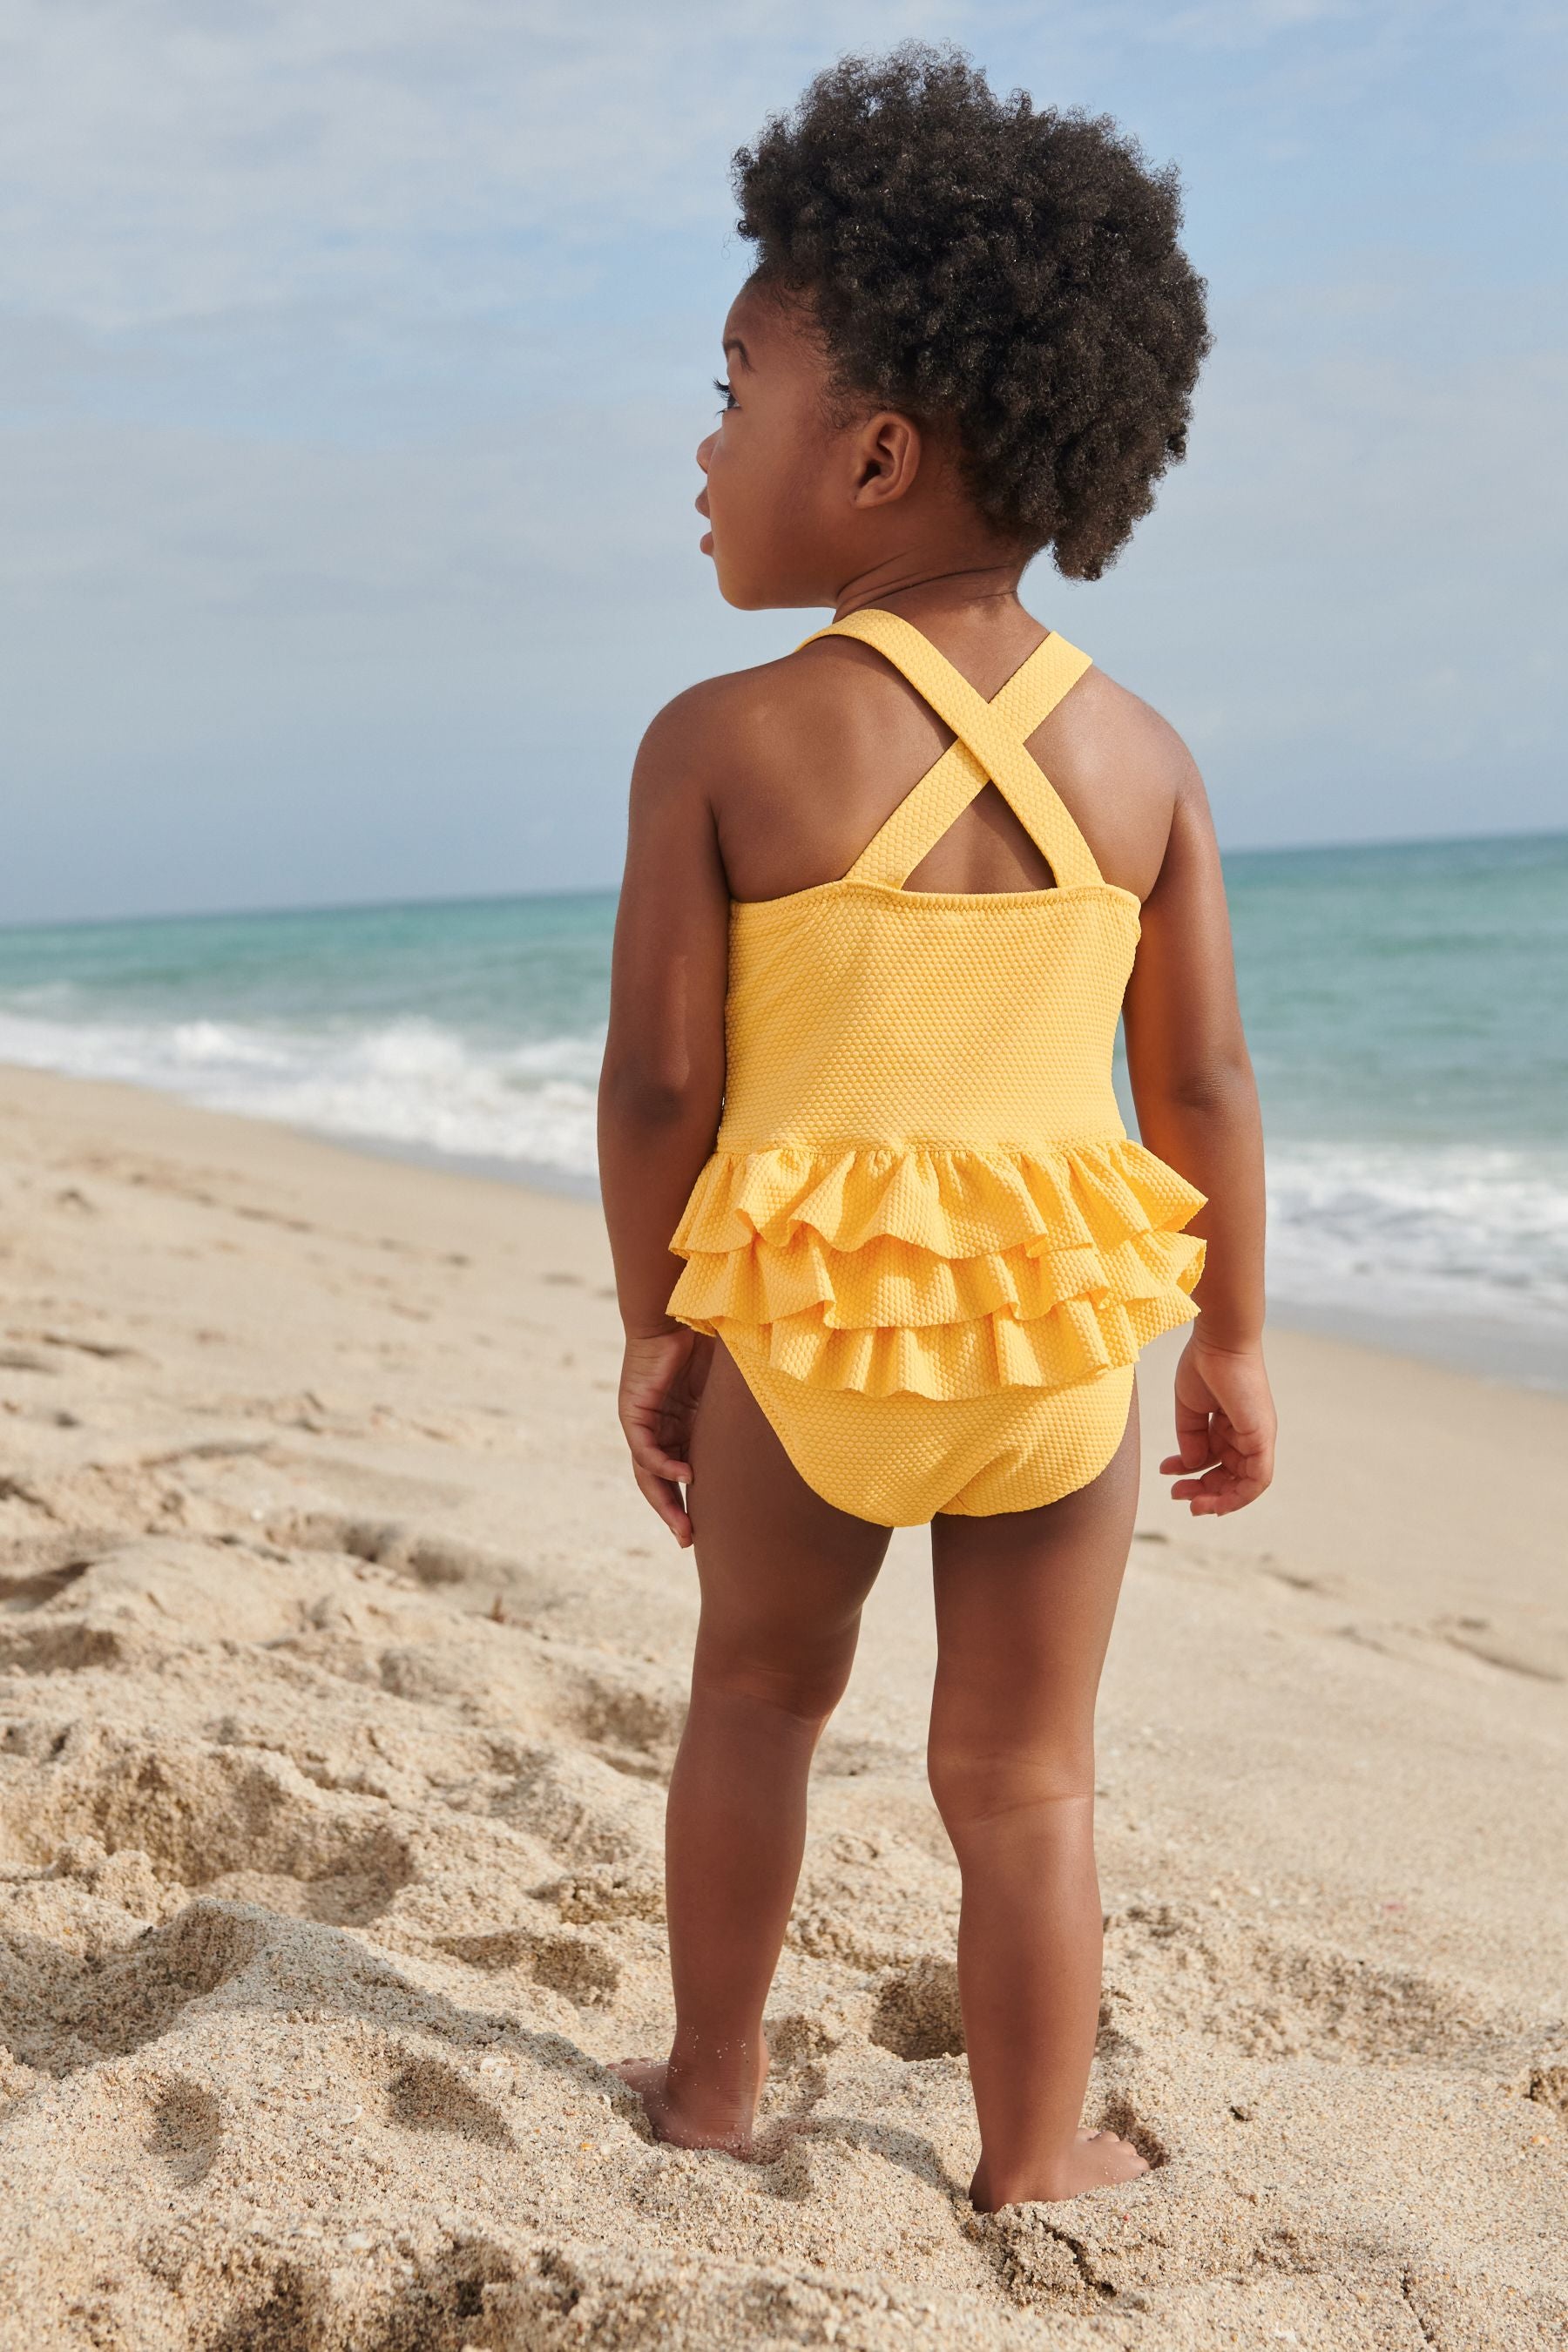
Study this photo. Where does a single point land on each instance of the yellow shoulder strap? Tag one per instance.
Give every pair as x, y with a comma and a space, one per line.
990, 745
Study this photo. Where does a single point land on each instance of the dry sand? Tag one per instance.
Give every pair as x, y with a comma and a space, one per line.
341, 1669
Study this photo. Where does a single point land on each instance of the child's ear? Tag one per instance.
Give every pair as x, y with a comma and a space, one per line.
886, 458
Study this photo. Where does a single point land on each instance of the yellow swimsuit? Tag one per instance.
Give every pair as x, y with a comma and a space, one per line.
924, 1233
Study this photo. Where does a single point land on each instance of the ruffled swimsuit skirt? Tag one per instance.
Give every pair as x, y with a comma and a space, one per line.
924, 1235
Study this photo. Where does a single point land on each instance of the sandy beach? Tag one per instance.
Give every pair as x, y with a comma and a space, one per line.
340, 1670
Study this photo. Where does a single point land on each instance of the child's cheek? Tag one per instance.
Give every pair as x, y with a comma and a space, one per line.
732, 498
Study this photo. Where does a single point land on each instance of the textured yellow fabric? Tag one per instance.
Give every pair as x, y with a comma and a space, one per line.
885, 1458
924, 1231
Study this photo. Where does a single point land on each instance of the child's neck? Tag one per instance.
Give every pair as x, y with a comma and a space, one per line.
985, 583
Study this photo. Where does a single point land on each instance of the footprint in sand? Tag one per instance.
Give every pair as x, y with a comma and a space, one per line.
918, 2013
583, 1808
69, 2013
29, 1586
187, 2131
1264, 1996
605, 1890
577, 1966
633, 1729
391, 1543
233, 1821
426, 2095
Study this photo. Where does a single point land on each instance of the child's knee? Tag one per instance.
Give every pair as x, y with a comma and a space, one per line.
972, 1786
805, 1692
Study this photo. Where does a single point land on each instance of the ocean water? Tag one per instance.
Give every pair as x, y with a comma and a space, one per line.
1407, 1007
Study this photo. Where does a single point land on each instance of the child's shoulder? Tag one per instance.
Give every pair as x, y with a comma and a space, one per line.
799, 689
767, 721
1113, 728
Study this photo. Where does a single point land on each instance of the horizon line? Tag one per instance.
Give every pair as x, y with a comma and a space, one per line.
610, 889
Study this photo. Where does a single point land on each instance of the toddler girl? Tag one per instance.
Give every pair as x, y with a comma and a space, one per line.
885, 1252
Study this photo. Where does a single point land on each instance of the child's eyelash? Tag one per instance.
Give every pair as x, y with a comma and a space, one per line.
719, 385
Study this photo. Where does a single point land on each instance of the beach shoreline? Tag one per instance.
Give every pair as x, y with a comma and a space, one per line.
1398, 1001
341, 1670
1510, 1354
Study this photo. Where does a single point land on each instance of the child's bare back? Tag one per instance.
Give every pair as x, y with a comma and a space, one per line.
801, 760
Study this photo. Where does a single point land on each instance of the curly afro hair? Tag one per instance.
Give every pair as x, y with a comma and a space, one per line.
1012, 270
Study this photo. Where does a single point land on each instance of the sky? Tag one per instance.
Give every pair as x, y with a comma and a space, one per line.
353, 360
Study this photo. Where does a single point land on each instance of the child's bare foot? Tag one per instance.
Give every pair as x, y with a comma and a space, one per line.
1098, 2160
687, 2115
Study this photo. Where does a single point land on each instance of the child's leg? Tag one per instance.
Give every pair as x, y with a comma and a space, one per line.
782, 1576
1024, 1603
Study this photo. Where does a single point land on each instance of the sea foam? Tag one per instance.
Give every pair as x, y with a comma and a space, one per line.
410, 1082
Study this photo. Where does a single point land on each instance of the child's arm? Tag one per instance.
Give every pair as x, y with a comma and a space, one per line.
662, 1085
1197, 1109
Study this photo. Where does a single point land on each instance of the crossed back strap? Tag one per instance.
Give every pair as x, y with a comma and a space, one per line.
989, 747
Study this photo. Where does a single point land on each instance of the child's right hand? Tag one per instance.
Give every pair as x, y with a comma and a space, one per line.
1226, 1426
662, 1376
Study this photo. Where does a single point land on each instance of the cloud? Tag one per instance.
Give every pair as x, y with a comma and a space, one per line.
353, 362
174, 158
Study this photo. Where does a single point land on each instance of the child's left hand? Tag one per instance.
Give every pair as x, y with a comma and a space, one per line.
662, 1376
1226, 1428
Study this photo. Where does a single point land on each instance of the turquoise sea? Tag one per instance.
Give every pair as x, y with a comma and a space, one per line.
1407, 1006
